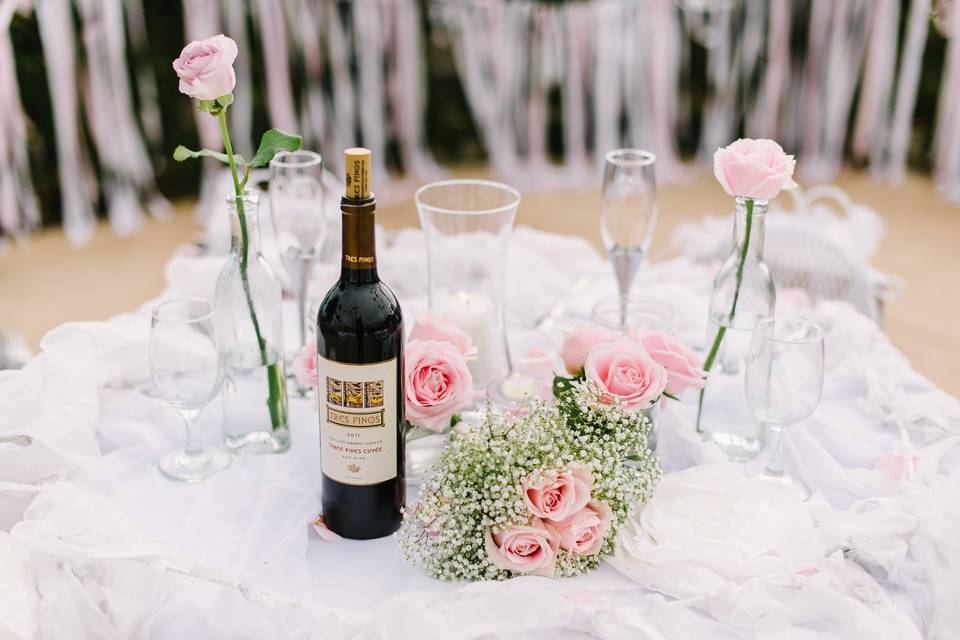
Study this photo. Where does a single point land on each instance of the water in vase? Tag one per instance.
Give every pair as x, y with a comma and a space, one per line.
725, 415
246, 410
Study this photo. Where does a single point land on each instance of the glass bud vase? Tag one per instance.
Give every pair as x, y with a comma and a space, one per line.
251, 330
743, 294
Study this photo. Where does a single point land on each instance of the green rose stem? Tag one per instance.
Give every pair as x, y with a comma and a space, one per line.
274, 404
722, 330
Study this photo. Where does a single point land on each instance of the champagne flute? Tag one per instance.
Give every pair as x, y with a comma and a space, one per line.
784, 381
297, 215
628, 214
187, 371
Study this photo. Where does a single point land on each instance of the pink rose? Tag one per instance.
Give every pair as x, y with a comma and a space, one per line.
530, 549
438, 383
577, 344
305, 365
684, 369
205, 68
432, 326
555, 495
582, 533
757, 169
624, 370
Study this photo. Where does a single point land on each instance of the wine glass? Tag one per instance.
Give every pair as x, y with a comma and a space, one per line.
297, 216
784, 381
628, 214
187, 371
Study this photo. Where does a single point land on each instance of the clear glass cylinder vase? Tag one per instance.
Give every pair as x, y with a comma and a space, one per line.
743, 294
249, 313
467, 225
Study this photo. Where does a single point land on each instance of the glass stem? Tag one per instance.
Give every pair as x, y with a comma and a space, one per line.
722, 329
305, 268
775, 461
192, 448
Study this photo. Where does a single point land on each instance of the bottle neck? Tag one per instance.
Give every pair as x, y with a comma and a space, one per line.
244, 223
749, 223
359, 260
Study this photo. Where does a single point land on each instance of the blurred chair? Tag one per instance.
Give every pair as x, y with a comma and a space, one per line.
822, 246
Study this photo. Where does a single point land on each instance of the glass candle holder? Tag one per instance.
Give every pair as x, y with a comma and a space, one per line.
467, 226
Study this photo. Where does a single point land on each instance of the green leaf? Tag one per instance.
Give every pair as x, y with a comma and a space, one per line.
272, 142
181, 153
206, 105
225, 101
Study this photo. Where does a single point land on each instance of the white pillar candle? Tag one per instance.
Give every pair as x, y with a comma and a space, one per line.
476, 314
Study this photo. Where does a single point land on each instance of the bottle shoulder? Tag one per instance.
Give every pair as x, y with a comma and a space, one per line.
364, 306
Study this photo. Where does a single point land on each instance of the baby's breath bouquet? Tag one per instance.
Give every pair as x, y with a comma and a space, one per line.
541, 492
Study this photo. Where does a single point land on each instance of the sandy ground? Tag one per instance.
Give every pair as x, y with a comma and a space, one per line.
47, 282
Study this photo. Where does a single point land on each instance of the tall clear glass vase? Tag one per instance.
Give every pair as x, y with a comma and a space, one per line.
250, 320
743, 294
467, 225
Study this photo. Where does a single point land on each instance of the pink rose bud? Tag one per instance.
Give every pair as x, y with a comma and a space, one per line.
582, 533
757, 169
623, 370
431, 326
320, 526
555, 495
684, 369
305, 365
577, 344
530, 549
205, 68
438, 383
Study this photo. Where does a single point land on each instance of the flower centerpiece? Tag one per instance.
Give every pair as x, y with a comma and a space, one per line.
535, 492
248, 294
542, 491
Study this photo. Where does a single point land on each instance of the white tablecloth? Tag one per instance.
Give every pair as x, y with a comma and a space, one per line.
100, 545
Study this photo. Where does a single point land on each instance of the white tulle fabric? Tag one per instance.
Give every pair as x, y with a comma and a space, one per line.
95, 543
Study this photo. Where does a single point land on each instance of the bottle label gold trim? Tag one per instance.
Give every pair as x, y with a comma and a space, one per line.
358, 427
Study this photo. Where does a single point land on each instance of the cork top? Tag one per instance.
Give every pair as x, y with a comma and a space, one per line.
357, 164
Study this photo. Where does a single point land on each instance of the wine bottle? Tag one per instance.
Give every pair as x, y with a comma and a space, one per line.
360, 378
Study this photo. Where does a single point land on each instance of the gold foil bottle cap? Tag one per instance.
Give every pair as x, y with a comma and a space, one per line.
357, 163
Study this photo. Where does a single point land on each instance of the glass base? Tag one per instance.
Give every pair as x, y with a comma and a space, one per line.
786, 484
179, 465
514, 389
737, 448
256, 443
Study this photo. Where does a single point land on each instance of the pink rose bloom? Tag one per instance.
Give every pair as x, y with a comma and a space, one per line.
205, 68
577, 344
757, 169
624, 370
305, 365
438, 383
684, 369
582, 533
557, 495
530, 549
432, 326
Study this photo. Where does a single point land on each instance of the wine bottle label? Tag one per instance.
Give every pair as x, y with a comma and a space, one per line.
358, 421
